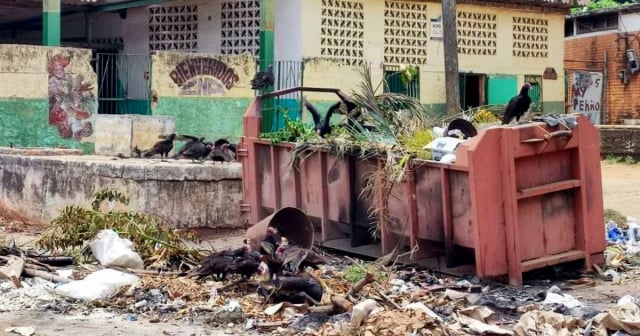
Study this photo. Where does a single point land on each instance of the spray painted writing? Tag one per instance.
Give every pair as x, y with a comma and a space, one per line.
201, 66
587, 94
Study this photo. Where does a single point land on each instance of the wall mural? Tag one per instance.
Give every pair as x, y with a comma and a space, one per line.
71, 99
203, 76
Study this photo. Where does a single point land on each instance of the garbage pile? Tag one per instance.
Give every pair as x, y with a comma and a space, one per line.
287, 289
622, 254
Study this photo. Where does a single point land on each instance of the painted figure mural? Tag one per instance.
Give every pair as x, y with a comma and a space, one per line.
71, 101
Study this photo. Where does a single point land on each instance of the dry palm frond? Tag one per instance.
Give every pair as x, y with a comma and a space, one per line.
76, 225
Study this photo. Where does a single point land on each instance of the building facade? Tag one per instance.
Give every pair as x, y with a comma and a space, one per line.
597, 42
138, 52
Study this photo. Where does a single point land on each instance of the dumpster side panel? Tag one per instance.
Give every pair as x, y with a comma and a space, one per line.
398, 210
267, 191
311, 185
461, 210
542, 169
532, 229
486, 176
337, 180
289, 195
590, 200
559, 222
429, 203
363, 170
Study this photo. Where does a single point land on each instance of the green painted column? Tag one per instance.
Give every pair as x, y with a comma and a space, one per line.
267, 19
51, 22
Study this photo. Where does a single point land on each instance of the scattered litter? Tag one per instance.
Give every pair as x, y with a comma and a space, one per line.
548, 323
561, 299
111, 250
97, 285
23, 331
361, 311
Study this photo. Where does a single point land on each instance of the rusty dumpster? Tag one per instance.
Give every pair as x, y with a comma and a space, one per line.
518, 198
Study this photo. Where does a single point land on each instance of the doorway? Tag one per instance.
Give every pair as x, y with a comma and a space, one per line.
472, 90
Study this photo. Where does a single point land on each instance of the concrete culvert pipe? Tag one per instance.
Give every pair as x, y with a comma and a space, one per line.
292, 223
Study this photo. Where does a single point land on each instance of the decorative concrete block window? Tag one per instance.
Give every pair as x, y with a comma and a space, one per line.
342, 31
173, 28
477, 33
240, 27
530, 37
405, 33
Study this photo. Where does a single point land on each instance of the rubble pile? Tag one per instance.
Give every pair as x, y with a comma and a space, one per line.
294, 291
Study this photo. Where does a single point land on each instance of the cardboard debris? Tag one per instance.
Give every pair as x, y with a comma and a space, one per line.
12, 270
545, 323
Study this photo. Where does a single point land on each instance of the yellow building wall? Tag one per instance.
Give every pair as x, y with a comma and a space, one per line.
321, 72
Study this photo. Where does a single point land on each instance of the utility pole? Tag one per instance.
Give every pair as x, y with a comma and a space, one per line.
450, 38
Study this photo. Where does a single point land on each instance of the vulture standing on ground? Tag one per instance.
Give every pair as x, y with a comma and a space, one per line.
518, 105
263, 79
162, 147
241, 261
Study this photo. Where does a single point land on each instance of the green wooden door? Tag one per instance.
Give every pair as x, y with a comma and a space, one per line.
501, 88
535, 92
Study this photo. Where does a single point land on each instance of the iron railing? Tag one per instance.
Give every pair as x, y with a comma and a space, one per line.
124, 83
288, 74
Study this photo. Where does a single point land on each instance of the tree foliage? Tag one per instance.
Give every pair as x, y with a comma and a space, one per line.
600, 4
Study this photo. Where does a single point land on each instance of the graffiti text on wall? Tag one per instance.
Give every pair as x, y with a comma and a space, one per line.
587, 94
71, 100
195, 76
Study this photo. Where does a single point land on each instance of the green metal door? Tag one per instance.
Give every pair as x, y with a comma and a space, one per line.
501, 88
394, 83
535, 92
124, 83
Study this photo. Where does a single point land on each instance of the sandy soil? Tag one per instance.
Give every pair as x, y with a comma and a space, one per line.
621, 188
621, 184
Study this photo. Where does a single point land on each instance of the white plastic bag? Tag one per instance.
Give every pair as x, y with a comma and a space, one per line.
97, 285
111, 250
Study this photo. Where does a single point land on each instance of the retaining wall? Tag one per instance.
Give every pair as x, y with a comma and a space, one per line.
37, 188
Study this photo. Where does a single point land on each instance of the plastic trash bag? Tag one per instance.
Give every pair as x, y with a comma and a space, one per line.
111, 250
97, 285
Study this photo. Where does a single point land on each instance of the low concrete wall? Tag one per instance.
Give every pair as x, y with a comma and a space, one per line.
37, 188
620, 140
119, 134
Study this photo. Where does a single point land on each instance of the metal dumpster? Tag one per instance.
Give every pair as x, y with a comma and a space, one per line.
518, 198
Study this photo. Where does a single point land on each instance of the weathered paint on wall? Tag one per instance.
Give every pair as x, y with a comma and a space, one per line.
72, 101
39, 187
119, 134
216, 108
25, 96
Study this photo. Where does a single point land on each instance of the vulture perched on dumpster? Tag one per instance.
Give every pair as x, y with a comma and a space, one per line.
322, 126
518, 105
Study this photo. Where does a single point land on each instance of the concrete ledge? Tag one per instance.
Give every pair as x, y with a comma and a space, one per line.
38, 151
185, 194
620, 140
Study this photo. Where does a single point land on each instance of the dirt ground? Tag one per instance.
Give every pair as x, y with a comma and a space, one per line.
621, 188
621, 185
